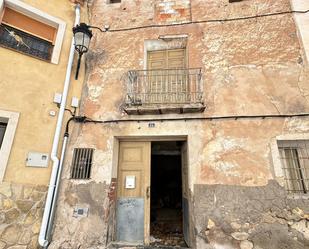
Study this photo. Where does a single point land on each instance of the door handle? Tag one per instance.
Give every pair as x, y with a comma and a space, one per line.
148, 192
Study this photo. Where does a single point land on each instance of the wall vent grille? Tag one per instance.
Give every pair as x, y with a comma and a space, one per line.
82, 163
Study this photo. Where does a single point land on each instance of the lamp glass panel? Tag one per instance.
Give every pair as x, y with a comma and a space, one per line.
79, 39
82, 41
86, 41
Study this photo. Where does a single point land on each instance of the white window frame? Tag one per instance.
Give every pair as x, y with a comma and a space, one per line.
11, 119
276, 160
41, 17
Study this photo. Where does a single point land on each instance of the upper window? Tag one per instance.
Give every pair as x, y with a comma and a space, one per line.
30, 31
25, 43
294, 157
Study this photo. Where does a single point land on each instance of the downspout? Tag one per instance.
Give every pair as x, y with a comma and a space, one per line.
57, 185
62, 156
53, 183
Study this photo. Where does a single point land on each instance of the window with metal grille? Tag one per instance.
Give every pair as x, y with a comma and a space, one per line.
82, 163
2, 131
295, 164
23, 42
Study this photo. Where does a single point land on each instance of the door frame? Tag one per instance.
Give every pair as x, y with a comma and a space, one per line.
115, 163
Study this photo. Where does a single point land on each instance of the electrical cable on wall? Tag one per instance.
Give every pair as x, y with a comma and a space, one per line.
84, 119
208, 21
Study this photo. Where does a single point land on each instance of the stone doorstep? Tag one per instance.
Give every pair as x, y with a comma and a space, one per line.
150, 247
162, 247
123, 246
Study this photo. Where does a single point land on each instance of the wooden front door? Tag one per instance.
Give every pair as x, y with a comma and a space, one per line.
133, 192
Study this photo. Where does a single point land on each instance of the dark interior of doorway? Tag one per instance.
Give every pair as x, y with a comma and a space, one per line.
166, 195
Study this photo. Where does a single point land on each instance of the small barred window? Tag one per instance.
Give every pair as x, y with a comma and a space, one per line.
82, 163
295, 164
25, 43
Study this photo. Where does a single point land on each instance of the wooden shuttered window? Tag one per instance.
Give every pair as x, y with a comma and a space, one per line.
167, 59
29, 25
167, 73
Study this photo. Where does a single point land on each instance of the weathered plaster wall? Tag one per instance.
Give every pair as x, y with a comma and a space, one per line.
227, 153
243, 217
250, 67
302, 21
81, 232
234, 56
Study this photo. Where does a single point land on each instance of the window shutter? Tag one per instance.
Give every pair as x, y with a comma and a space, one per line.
157, 60
29, 25
166, 59
176, 58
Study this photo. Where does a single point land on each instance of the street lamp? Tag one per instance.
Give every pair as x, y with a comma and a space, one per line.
82, 36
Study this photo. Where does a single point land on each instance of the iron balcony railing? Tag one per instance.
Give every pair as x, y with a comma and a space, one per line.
164, 86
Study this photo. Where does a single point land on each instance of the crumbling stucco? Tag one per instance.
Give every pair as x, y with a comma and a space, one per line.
250, 67
226, 216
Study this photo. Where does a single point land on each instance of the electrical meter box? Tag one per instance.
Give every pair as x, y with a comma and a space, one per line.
37, 159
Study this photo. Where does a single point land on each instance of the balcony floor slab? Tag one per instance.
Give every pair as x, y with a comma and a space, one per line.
154, 110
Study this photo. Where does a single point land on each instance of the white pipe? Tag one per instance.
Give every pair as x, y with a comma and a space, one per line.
53, 206
52, 183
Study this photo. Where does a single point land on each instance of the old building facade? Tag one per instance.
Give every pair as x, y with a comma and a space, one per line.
197, 128
35, 41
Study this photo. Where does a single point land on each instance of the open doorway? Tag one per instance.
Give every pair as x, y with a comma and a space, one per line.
166, 205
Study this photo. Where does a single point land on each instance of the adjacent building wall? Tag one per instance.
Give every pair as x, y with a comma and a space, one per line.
253, 66
27, 87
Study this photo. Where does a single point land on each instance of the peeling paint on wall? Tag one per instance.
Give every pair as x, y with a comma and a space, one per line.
250, 67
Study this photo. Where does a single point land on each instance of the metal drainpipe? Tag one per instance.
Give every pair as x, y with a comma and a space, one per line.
53, 183
53, 205
63, 151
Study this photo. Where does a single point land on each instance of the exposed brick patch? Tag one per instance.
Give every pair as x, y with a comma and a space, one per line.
167, 11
